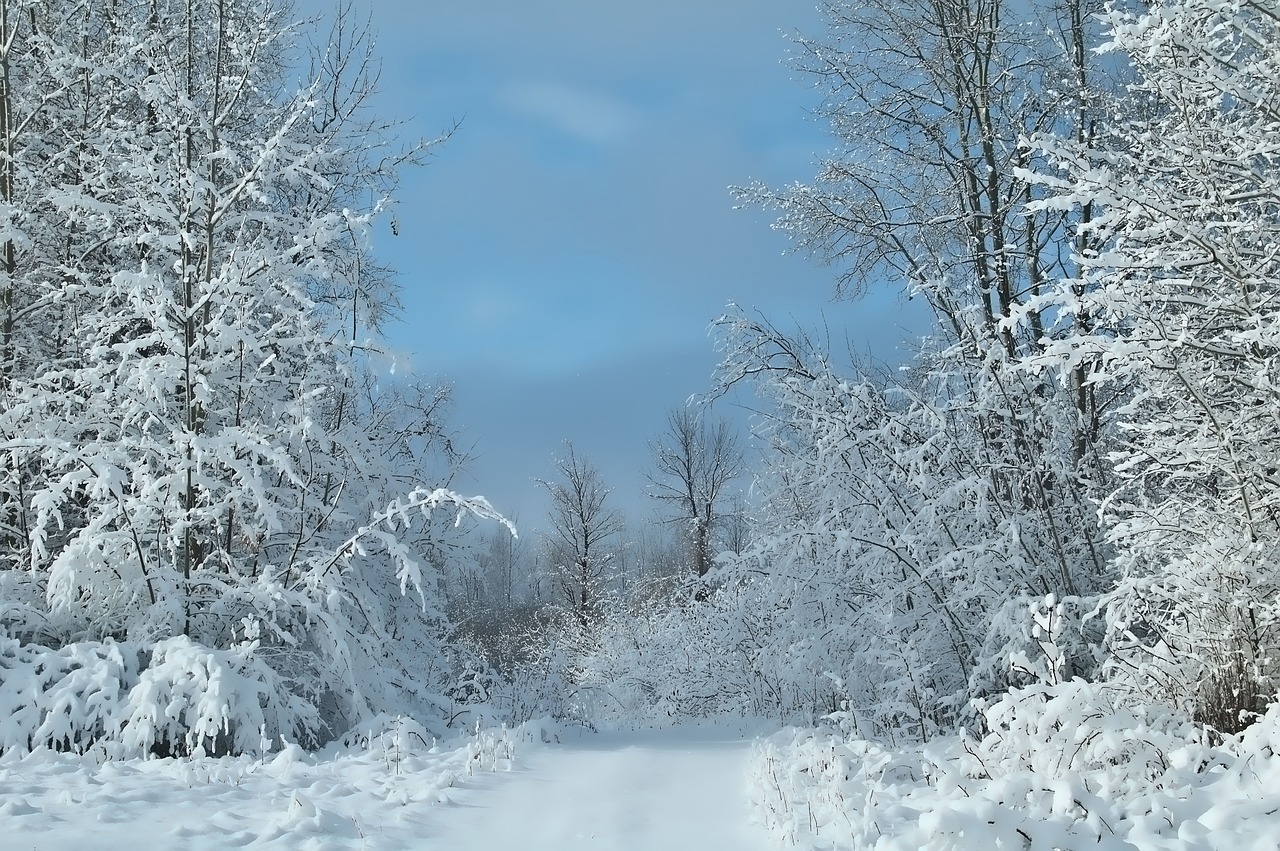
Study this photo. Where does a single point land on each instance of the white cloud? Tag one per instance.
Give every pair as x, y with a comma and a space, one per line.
588, 116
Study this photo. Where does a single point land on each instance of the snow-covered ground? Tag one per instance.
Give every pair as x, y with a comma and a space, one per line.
669, 790
663, 790
1108, 783
380, 793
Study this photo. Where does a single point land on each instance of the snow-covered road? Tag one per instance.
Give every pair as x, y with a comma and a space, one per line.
668, 790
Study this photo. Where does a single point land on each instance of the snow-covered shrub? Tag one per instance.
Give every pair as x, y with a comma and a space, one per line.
479, 696
393, 738
902, 520
1038, 640
1071, 766
698, 654
1120, 747
70, 699
1198, 627
540, 683
1062, 764
521, 656
127, 699
189, 697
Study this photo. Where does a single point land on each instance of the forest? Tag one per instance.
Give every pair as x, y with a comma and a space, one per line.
1022, 588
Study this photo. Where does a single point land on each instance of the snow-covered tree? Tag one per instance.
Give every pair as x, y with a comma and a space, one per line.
197, 440
929, 101
1177, 297
906, 517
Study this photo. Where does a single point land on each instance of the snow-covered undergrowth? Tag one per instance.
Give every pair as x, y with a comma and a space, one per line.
730, 655
121, 700
1065, 766
372, 788
124, 699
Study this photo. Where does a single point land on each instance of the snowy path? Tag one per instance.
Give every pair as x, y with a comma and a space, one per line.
667, 790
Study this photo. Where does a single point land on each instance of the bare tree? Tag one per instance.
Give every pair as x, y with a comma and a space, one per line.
693, 464
500, 561
735, 530
583, 533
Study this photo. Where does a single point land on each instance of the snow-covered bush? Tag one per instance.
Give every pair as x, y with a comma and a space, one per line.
127, 699
1063, 763
669, 660
67, 699
189, 697
699, 654
1070, 766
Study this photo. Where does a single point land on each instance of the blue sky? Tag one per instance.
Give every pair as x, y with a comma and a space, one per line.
563, 254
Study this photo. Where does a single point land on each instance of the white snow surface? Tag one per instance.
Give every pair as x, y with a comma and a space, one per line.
663, 790
672, 789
